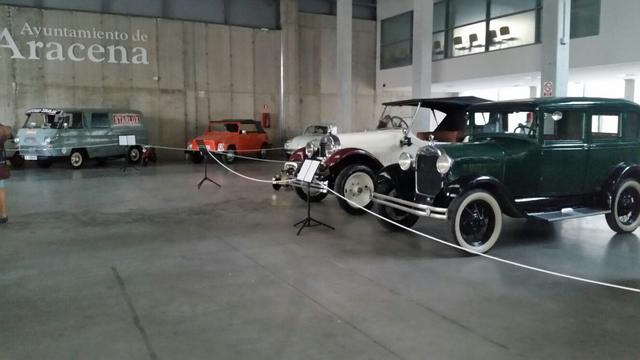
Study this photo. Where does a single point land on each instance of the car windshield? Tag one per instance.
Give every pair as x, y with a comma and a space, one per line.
398, 117
223, 127
315, 130
40, 120
519, 122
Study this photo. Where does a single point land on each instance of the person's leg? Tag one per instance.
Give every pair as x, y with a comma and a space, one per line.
3, 202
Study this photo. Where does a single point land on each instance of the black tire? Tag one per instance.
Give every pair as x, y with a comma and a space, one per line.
262, 154
387, 187
77, 158
475, 220
302, 194
356, 188
625, 210
196, 157
17, 161
229, 156
44, 164
134, 155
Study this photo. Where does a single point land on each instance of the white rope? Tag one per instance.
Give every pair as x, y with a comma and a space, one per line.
215, 152
282, 182
495, 258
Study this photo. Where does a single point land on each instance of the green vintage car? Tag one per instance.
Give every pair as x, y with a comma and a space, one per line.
550, 159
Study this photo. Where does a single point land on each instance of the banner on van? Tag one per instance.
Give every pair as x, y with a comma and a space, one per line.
125, 119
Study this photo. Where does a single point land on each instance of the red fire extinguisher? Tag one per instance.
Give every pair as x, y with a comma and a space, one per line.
266, 120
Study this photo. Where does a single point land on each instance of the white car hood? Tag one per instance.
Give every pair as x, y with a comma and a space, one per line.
383, 144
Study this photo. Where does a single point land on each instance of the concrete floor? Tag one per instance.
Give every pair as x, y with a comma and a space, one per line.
101, 264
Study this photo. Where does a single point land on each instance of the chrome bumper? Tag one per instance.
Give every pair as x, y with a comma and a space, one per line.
411, 207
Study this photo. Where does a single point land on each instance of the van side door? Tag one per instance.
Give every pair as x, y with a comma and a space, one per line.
99, 136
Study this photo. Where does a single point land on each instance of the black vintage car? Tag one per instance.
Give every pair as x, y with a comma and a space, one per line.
549, 159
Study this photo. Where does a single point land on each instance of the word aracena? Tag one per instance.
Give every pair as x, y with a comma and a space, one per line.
55, 51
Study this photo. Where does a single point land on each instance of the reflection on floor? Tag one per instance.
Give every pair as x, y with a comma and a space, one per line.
101, 264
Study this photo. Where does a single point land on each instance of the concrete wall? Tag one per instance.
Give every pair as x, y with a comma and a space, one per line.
196, 72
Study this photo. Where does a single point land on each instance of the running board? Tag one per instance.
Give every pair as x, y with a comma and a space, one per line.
568, 213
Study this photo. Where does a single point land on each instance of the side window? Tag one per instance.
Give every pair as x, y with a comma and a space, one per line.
100, 121
564, 126
76, 121
250, 128
605, 126
631, 126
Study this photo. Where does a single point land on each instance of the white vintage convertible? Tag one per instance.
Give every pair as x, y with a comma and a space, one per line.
350, 161
313, 132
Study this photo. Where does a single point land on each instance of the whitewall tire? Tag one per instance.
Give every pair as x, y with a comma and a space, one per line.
625, 210
475, 220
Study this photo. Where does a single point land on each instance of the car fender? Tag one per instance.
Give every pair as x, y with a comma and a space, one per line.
403, 181
487, 183
349, 156
298, 155
621, 172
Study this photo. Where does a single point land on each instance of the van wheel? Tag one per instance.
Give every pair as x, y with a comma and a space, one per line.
44, 164
229, 156
356, 183
76, 159
134, 155
625, 211
17, 161
475, 220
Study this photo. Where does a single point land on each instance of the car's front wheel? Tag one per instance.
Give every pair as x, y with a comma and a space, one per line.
76, 159
229, 156
262, 154
475, 220
387, 187
355, 183
17, 161
625, 210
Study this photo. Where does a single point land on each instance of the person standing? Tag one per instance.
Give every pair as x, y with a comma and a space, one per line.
5, 134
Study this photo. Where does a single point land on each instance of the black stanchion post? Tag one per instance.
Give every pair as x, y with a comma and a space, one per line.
205, 153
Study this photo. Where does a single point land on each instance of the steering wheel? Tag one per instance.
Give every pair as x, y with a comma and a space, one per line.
522, 129
398, 122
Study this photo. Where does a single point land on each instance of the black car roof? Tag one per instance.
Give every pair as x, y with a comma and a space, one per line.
439, 103
535, 103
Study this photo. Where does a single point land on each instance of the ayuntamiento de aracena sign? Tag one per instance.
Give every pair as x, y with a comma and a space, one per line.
41, 44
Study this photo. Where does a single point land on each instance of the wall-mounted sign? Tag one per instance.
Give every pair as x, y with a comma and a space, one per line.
547, 89
45, 44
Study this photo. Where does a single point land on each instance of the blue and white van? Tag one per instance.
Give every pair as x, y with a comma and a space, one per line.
77, 135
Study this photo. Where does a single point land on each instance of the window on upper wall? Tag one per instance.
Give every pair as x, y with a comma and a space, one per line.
585, 18
396, 41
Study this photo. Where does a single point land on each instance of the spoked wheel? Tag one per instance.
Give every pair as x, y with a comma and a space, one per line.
476, 220
395, 215
230, 155
625, 211
356, 184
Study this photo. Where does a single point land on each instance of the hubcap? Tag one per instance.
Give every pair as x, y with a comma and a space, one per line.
263, 152
477, 222
627, 209
76, 159
231, 154
359, 188
135, 154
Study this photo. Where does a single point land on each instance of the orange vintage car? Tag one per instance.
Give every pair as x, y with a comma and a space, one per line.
230, 137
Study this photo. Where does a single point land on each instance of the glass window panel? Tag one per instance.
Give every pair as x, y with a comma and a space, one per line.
631, 126
100, 120
253, 13
505, 7
438, 46
605, 125
468, 39
439, 16
585, 18
138, 7
396, 55
467, 11
397, 28
512, 31
570, 127
198, 10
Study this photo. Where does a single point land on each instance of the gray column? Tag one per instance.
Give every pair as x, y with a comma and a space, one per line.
533, 91
422, 49
344, 19
630, 89
290, 77
556, 21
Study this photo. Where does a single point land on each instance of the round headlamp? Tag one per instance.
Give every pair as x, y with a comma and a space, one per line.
405, 160
331, 144
443, 164
310, 149
16, 140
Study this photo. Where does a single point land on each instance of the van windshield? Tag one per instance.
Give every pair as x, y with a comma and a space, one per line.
223, 127
40, 121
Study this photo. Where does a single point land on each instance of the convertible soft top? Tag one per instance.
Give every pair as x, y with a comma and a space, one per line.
442, 104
